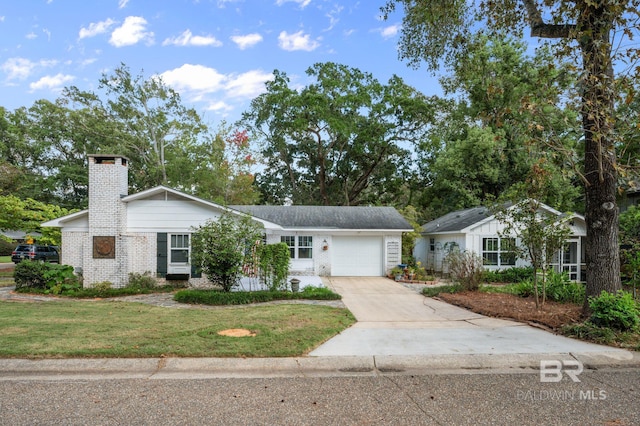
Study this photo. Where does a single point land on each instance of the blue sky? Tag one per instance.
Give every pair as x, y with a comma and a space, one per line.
216, 53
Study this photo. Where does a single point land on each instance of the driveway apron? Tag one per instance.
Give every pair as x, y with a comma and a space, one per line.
395, 320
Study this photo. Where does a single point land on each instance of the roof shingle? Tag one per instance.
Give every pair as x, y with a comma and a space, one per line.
330, 217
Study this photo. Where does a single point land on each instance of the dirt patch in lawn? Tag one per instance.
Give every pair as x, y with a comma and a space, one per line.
552, 315
237, 332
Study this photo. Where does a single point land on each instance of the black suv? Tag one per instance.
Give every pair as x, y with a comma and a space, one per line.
35, 252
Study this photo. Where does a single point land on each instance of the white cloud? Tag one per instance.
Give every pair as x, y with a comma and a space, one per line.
122, 4
390, 31
247, 40
248, 85
132, 31
194, 79
333, 17
219, 106
297, 41
2, 18
188, 39
31, 36
302, 3
55, 82
21, 68
18, 68
96, 28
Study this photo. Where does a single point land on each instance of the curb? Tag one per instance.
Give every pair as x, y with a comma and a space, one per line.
213, 368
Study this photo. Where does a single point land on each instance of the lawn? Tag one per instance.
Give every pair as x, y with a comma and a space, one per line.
6, 278
120, 329
5, 259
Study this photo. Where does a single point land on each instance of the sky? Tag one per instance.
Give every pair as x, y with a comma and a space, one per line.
216, 53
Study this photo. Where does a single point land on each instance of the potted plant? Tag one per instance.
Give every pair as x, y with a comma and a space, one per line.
397, 273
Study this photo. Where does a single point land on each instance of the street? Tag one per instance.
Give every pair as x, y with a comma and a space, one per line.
602, 397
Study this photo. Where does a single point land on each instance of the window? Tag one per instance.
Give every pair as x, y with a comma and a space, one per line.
305, 247
300, 247
490, 251
179, 249
499, 251
507, 251
432, 244
291, 242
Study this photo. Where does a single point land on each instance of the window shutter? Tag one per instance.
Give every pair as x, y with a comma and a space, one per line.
195, 273
162, 254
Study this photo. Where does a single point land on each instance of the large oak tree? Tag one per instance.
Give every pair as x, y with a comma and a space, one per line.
435, 30
342, 140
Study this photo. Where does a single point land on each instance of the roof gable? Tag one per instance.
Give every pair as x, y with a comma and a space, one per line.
461, 221
457, 221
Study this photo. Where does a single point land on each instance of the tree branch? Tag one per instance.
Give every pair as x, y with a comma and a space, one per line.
543, 30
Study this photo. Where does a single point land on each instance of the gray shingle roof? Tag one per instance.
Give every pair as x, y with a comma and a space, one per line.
330, 217
456, 221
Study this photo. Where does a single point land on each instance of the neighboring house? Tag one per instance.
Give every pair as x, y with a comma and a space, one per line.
150, 231
476, 229
21, 236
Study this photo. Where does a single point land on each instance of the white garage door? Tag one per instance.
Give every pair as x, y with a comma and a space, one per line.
356, 256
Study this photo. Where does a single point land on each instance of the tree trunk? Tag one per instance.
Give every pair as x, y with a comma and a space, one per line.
601, 213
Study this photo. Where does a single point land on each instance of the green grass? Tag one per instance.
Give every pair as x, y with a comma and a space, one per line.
434, 291
120, 329
5, 259
6, 278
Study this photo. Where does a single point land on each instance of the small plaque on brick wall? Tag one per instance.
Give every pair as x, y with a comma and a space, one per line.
104, 247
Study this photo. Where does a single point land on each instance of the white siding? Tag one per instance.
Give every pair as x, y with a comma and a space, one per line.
167, 216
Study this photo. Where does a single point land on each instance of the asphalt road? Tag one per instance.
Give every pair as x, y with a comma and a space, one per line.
603, 397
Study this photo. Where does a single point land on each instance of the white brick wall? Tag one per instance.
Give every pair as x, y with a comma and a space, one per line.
108, 182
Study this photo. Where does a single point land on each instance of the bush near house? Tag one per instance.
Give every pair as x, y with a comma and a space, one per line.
47, 277
6, 247
511, 275
217, 297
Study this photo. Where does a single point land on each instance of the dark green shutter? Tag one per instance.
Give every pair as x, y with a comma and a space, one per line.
162, 254
195, 272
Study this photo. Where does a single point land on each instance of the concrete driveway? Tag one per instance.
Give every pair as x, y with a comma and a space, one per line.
395, 320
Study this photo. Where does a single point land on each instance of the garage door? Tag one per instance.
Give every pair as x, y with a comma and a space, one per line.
356, 256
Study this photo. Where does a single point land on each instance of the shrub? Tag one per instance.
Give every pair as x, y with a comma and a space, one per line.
274, 265
561, 289
51, 278
465, 268
618, 311
217, 297
523, 288
511, 275
6, 247
29, 274
102, 288
142, 281
591, 332
221, 247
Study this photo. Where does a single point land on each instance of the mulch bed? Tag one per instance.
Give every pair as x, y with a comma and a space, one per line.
552, 315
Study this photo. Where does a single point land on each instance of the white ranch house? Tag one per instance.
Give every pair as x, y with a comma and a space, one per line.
478, 230
150, 232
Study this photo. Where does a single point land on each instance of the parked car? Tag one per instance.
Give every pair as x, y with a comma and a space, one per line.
35, 252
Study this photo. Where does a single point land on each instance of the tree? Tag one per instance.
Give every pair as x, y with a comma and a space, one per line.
221, 247
508, 110
158, 127
27, 215
541, 236
342, 140
222, 168
584, 30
